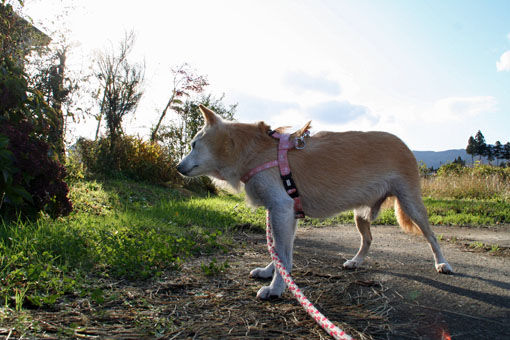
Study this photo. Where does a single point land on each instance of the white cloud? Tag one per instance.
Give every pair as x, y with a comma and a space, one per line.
458, 108
339, 112
300, 82
504, 62
508, 36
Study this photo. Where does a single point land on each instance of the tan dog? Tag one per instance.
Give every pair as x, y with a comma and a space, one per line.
333, 173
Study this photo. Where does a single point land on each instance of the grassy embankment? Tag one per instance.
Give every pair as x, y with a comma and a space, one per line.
127, 230
119, 229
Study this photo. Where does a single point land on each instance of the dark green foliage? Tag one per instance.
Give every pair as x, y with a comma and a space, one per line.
471, 148
31, 180
10, 191
32, 171
478, 147
21, 103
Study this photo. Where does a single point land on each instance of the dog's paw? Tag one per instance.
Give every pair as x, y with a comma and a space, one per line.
268, 293
350, 264
444, 268
262, 273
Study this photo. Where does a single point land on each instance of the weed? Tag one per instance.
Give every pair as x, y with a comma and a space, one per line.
214, 268
495, 248
477, 245
19, 297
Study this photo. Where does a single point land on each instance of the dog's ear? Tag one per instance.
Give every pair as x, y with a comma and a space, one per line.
301, 131
210, 117
263, 127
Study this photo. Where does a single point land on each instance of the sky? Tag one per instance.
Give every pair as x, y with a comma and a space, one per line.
431, 72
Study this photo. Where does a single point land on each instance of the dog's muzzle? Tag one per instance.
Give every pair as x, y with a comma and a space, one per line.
185, 170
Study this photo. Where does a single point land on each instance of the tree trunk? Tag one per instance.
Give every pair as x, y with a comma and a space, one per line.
163, 114
100, 114
58, 93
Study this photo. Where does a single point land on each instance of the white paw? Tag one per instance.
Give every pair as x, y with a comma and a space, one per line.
262, 273
267, 292
444, 268
351, 264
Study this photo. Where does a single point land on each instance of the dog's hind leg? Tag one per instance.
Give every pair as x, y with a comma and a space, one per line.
410, 213
362, 218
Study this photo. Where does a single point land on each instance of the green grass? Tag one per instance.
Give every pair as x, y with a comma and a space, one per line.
442, 211
467, 212
119, 229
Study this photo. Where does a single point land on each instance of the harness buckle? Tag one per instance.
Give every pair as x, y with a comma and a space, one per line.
299, 142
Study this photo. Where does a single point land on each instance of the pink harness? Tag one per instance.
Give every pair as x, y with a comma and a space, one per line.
282, 162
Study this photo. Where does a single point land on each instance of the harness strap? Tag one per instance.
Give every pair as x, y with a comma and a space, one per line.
258, 169
282, 162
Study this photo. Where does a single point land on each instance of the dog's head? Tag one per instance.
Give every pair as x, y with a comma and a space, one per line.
225, 149
205, 147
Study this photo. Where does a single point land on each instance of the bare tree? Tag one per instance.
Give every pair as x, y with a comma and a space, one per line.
184, 82
121, 86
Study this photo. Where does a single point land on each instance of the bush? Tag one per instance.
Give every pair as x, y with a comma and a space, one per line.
131, 157
9, 190
451, 169
74, 167
33, 170
136, 159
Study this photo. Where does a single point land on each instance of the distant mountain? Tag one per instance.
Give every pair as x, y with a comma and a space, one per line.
437, 158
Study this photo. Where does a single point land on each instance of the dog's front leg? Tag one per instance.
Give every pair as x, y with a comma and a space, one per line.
283, 227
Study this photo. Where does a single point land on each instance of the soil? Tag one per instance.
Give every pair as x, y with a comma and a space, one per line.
396, 294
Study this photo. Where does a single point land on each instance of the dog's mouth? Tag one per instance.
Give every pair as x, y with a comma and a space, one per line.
185, 171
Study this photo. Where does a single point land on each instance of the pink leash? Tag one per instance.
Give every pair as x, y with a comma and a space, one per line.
323, 321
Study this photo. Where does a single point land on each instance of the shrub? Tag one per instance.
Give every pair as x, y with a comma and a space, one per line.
9, 190
34, 170
451, 169
74, 167
130, 157
137, 159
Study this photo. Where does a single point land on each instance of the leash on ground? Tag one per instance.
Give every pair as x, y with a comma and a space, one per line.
323, 321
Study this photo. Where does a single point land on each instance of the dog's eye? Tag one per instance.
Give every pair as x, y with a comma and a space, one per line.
193, 145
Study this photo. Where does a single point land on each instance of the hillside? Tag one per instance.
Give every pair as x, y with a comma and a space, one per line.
437, 158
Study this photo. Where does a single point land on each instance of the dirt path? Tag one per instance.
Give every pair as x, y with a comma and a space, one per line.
395, 295
472, 303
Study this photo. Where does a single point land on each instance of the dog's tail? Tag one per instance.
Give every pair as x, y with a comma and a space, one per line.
405, 221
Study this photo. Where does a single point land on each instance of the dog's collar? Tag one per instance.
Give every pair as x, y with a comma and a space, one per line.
282, 162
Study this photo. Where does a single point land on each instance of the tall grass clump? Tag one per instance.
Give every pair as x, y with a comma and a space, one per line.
481, 182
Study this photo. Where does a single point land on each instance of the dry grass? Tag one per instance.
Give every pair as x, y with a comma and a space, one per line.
466, 186
460, 182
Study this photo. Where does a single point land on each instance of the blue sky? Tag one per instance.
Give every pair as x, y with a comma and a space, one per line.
432, 72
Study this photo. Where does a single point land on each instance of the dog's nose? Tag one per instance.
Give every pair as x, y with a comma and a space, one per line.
180, 169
